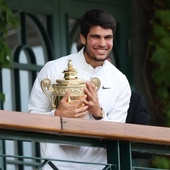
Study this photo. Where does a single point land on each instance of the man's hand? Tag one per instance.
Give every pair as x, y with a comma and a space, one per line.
92, 99
72, 110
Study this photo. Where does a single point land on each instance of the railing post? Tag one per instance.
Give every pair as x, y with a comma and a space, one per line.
125, 156
113, 156
2, 159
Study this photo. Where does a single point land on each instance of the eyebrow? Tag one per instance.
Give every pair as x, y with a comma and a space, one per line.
97, 35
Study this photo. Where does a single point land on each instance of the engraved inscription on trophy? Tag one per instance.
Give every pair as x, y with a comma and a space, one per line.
55, 92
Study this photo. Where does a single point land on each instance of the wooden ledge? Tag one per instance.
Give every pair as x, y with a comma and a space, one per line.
116, 131
29, 122
21, 121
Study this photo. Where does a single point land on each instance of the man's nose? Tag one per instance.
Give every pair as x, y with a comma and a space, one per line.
102, 42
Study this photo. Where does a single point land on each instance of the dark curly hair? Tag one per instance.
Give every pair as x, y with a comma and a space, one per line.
97, 17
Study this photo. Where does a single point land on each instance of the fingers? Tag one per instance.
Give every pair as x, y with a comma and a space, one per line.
78, 112
92, 98
72, 109
80, 108
66, 96
81, 101
91, 92
81, 112
91, 87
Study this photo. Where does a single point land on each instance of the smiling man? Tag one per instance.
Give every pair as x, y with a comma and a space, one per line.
109, 103
98, 44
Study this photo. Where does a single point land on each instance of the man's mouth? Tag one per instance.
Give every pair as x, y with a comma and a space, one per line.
100, 51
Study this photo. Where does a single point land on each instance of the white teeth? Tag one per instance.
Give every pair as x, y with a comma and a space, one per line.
101, 51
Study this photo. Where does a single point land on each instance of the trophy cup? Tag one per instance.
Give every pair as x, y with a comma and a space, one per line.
55, 92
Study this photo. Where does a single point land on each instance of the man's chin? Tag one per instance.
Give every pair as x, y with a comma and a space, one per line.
101, 59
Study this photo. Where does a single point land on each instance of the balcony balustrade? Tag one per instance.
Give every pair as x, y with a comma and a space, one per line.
121, 140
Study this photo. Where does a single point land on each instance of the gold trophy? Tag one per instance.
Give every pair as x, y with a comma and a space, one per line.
55, 92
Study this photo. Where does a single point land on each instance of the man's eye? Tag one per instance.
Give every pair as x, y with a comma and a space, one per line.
94, 36
109, 38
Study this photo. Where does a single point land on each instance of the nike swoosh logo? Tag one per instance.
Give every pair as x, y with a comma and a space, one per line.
103, 87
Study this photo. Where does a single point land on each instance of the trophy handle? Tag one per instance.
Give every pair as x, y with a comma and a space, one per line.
47, 88
96, 81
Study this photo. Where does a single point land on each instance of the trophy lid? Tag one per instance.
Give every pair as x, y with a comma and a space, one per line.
70, 76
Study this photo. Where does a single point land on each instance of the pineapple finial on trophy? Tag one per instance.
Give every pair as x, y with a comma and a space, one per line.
70, 73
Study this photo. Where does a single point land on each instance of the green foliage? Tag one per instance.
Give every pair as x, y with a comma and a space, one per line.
159, 44
161, 162
7, 20
163, 16
2, 97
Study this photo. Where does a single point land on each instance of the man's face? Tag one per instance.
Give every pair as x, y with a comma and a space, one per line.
98, 45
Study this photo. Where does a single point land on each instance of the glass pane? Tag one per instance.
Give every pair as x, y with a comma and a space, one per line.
35, 37
7, 88
74, 34
24, 91
10, 148
38, 50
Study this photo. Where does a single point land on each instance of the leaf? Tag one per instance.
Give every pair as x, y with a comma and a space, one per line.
160, 56
158, 77
163, 93
159, 31
163, 15
12, 19
161, 162
7, 19
165, 42
2, 97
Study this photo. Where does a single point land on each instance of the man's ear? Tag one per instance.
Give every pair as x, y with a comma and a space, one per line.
82, 39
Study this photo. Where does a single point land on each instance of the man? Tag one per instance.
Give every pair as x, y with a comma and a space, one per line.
137, 112
109, 103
